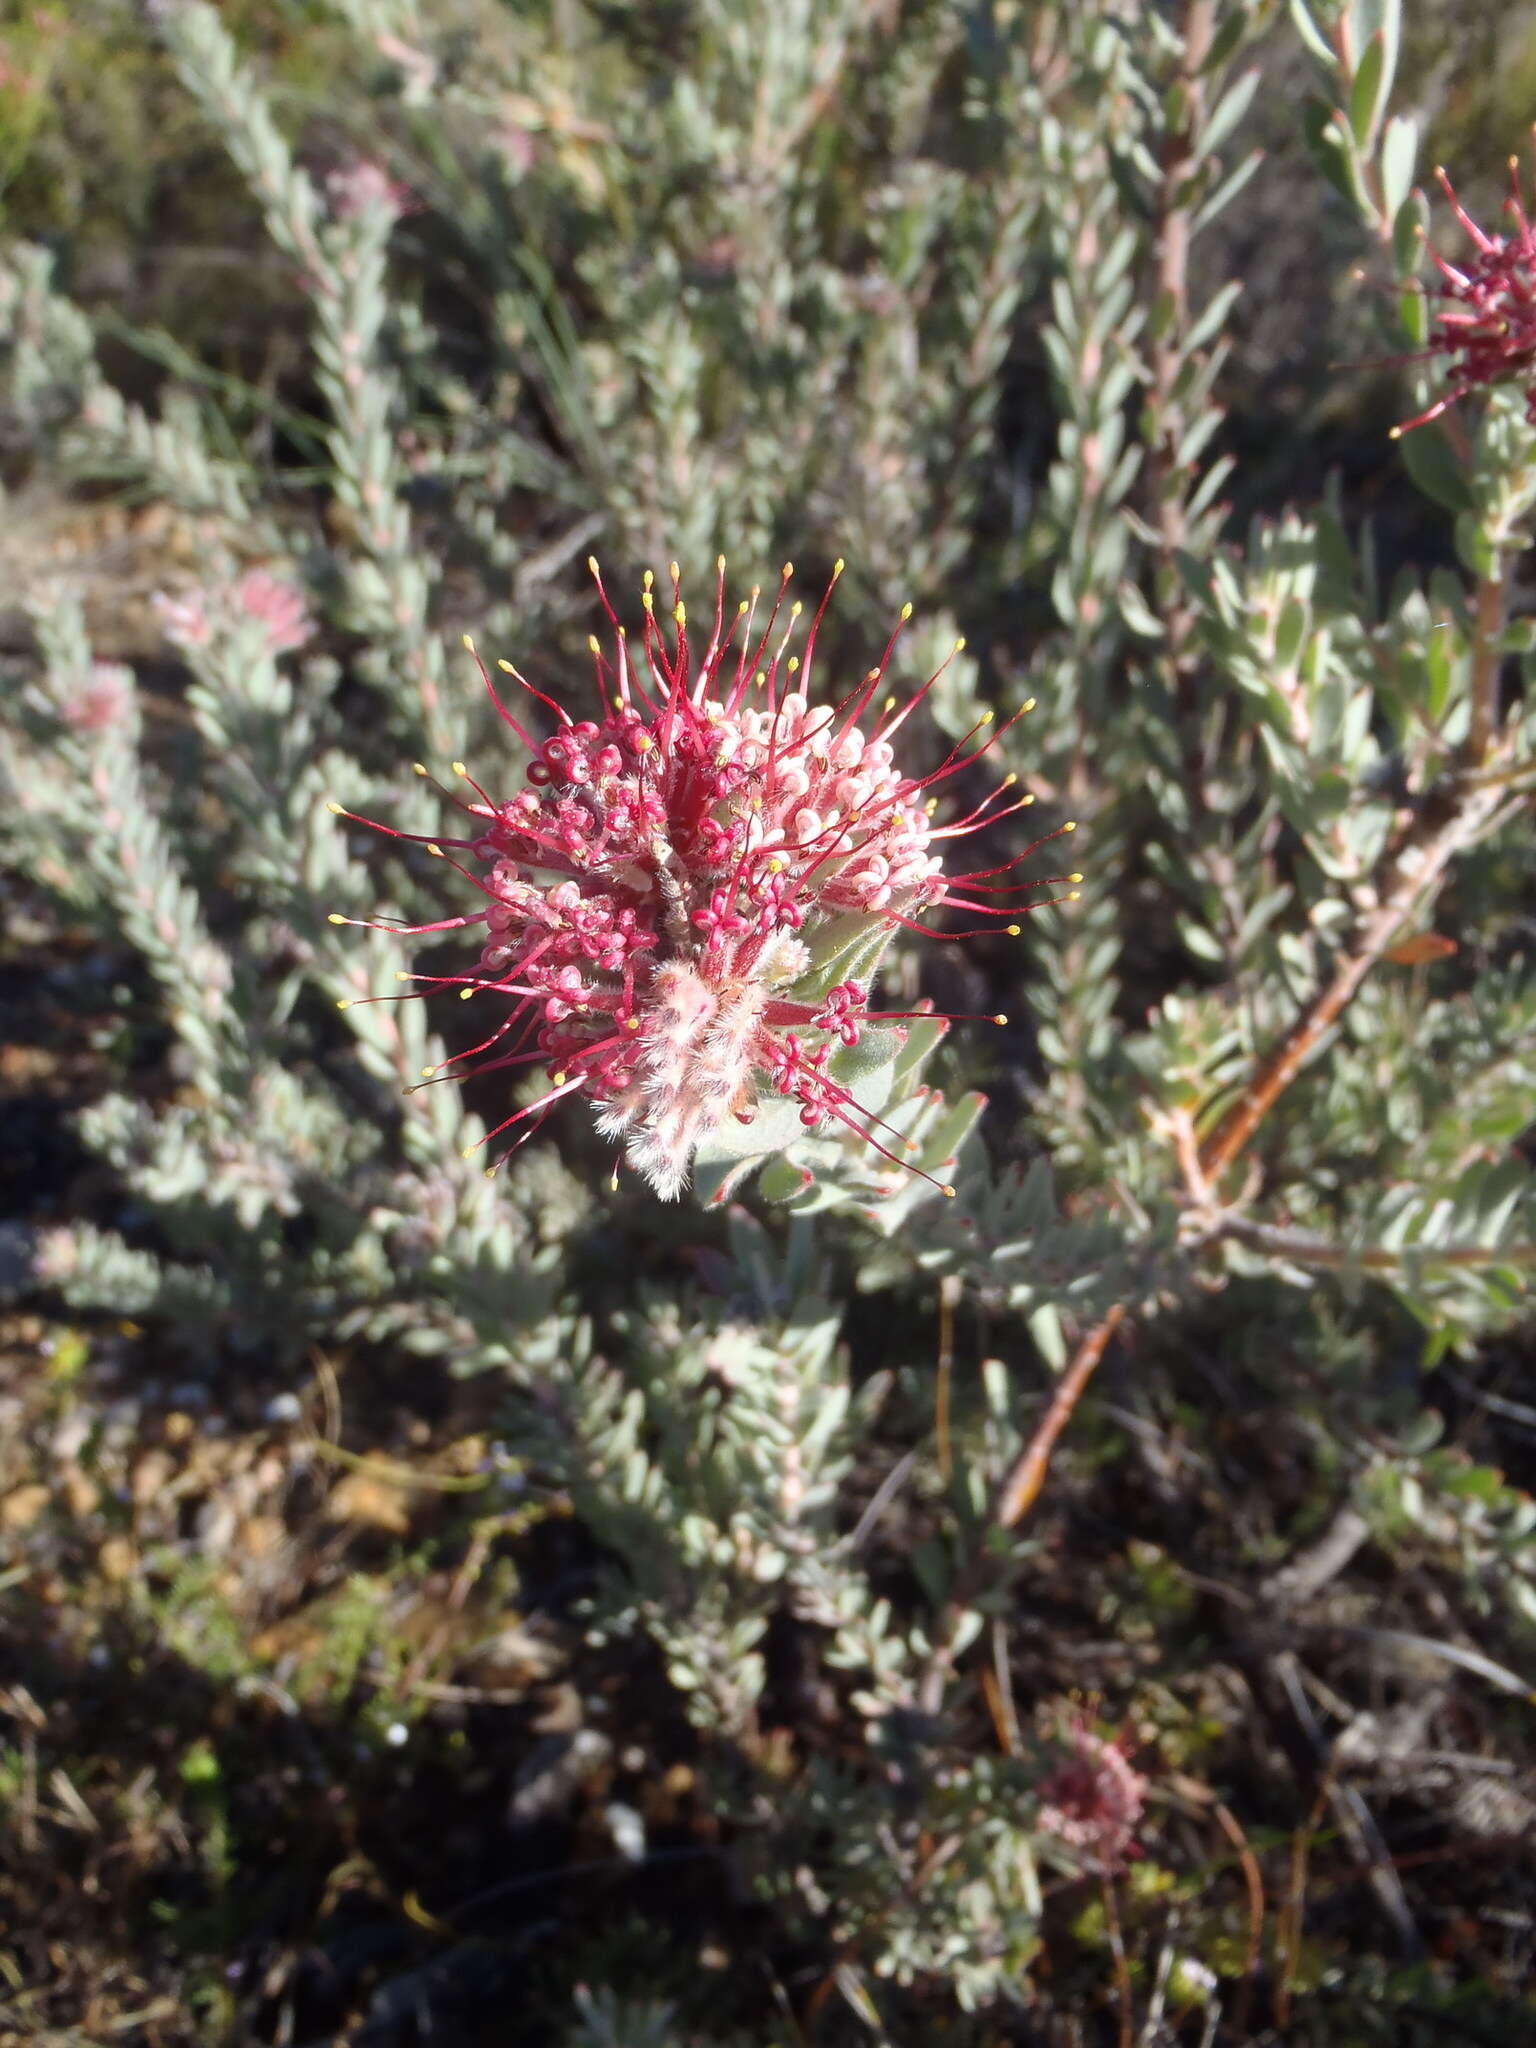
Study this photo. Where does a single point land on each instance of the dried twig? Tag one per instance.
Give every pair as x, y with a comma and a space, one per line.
1249, 1865
1022, 1487
1419, 866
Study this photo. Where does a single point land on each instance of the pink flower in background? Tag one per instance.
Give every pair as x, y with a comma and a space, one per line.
258, 594
685, 903
354, 187
184, 618
1094, 1801
279, 607
1485, 309
104, 701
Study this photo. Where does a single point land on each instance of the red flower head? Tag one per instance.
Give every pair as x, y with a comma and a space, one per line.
686, 903
1093, 1801
1485, 309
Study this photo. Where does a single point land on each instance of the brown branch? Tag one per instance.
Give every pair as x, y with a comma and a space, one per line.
1418, 868
1016, 1497
1418, 865
1254, 1885
1022, 1487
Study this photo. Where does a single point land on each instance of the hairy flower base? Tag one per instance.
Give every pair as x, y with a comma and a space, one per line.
1485, 316
686, 903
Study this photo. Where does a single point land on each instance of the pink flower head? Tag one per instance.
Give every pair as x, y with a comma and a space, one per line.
356, 186
684, 904
185, 619
258, 595
278, 607
1485, 311
1093, 1802
104, 701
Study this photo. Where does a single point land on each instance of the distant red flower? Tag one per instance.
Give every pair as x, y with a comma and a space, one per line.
1093, 1802
667, 900
1485, 309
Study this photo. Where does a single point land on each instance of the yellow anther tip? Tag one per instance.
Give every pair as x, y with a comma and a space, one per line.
435, 850
987, 717
1009, 780
947, 1192
648, 602
592, 644
592, 563
720, 563
1000, 1018
1074, 878
1014, 930
417, 766
459, 768
1070, 825
838, 567
631, 1024
960, 645
796, 609
469, 1151
558, 1080
344, 1003
788, 569
680, 613
465, 994
469, 643
742, 609
401, 975
673, 571
335, 917
1074, 895
906, 613
506, 668
427, 1073
334, 808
